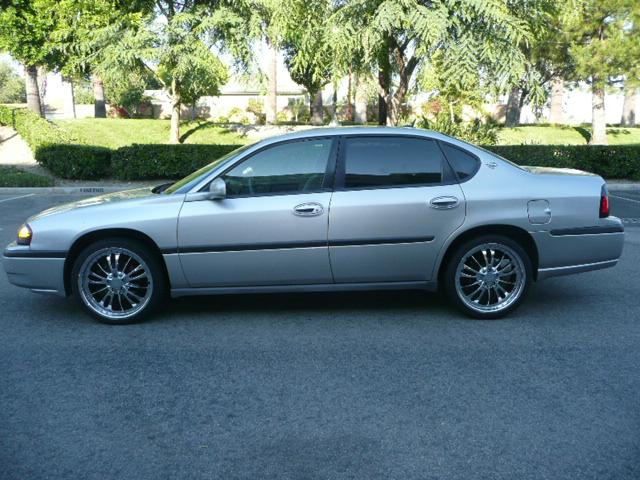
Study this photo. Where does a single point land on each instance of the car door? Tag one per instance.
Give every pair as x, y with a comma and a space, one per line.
271, 228
395, 203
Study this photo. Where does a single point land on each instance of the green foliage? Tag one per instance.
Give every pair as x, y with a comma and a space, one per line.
26, 27
611, 162
126, 91
13, 177
305, 39
146, 162
604, 39
83, 92
473, 131
12, 89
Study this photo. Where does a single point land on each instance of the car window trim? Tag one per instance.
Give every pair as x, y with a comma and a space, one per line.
448, 175
450, 163
327, 180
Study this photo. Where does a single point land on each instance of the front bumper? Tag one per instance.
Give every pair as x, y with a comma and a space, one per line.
568, 251
42, 272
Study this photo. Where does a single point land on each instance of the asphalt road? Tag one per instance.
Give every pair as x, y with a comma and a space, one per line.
384, 385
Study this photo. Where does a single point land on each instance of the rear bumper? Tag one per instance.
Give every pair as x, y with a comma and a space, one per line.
576, 250
41, 274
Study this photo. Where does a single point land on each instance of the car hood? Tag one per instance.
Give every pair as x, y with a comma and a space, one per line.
556, 171
95, 201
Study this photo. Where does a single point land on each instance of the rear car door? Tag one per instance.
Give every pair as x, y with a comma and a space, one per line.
271, 229
396, 201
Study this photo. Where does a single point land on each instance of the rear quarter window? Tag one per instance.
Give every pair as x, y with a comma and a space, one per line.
463, 163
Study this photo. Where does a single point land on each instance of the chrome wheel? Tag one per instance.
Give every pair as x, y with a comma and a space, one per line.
115, 283
490, 277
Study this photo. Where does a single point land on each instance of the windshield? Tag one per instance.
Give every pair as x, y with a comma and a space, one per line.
182, 186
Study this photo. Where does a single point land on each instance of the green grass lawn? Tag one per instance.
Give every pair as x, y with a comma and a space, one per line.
13, 177
114, 133
563, 135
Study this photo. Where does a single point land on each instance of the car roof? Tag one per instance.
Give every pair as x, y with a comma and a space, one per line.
334, 131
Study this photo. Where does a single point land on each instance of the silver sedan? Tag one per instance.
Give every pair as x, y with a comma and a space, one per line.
325, 210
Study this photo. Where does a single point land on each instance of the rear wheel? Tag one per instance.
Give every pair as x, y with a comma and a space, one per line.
118, 280
488, 277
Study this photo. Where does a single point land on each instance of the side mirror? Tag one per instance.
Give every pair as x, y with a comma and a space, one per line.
217, 189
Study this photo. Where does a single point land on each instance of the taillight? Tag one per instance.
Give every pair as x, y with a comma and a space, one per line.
604, 202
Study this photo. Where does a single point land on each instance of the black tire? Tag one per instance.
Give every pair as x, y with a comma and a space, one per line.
455, 292
154, 279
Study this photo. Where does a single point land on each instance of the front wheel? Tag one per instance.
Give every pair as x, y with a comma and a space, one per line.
488, 277
118, 280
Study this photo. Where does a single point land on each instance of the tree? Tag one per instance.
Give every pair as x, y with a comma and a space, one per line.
175, 51
545, 54
25, 30
400, 37
307, 48
604, 39
12, 86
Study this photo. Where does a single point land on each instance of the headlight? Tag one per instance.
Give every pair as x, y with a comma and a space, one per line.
24, 235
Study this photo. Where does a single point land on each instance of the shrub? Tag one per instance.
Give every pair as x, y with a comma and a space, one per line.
610, 162
75, 161
473, 131
152, 161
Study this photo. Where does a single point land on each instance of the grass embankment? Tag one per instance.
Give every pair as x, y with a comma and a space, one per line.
119, 132
563, 135
13, 177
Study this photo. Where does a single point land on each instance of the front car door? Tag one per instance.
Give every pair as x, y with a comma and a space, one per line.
271, 229
395, 203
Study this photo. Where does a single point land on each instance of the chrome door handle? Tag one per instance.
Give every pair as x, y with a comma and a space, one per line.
311, 209
443, 203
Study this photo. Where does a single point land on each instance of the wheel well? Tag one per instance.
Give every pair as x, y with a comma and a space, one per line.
82, 242
519, 235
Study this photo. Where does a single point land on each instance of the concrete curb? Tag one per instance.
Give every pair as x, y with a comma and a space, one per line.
625, 186
80, 190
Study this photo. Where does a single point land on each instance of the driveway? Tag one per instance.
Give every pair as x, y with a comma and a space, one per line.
390, 385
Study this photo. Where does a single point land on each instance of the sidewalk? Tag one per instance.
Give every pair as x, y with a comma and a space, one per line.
13, 149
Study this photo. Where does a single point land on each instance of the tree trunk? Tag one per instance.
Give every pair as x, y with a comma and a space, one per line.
317, 113
629, 106
334, 110
513, 108
176, 103
360, 101
99, 106
384, 83
556, 115
598, 119
272, 89
33, 93
393, 110
42, 88
350, 97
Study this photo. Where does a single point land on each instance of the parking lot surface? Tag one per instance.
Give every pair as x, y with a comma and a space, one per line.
392, 385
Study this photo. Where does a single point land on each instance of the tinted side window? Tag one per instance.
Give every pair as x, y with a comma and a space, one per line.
391, 161
462, 162
293, 167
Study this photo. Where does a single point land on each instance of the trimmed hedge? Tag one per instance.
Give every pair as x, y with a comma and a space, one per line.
85, 162
159, 161
611, 161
